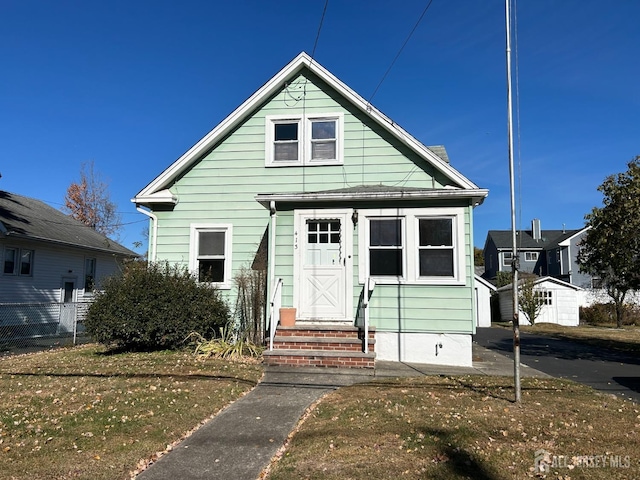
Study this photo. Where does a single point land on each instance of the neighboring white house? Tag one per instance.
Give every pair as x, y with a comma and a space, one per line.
51, 263
561, 302
483, 291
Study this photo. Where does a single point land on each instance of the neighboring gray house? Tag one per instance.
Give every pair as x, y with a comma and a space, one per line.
542, 252
48, 260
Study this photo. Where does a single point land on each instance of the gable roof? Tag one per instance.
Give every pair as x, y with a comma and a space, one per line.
485, 282
566, 241
524, 240
155, 192
30, 219
542, 280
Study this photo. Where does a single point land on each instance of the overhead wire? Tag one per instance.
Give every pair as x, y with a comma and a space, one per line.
400, 51
304, 87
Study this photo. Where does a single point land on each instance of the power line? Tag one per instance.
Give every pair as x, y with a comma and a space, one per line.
315, 43
400, 51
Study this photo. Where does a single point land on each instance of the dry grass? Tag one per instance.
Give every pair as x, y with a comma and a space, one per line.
625, 339
462, 427
85, 413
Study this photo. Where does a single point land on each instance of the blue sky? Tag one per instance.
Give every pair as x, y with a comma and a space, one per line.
131, 85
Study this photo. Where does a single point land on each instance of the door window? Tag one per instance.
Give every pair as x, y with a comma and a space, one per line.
323, 242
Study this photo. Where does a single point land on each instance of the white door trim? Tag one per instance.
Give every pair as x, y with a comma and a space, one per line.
299, 243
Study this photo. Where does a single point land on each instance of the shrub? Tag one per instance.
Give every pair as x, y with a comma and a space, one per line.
154, 307
605, 314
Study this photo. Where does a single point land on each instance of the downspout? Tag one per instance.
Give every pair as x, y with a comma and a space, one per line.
272, 245
271, 266
153, 234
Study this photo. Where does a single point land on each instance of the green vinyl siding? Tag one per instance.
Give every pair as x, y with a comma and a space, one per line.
220, 188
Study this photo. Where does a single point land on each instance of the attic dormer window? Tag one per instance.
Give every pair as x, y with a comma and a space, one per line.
303, 140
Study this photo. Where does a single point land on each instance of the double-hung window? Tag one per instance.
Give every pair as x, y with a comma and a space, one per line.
386, 256
324, 140
531, 256
286, 141
18, 261
435, 247
303, 140
210, 257
423, 245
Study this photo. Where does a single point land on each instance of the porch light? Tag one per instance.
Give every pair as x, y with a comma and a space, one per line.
354, 217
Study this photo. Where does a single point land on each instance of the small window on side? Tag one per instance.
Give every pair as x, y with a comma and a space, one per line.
89, 274
10, 261
26, 262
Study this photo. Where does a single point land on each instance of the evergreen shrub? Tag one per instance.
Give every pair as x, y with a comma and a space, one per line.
155, 307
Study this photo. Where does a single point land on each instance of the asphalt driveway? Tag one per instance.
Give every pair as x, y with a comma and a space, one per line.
608, 371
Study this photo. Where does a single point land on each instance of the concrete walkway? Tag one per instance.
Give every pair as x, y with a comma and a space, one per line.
240, 441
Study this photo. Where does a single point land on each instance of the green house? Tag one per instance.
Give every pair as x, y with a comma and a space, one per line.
358, 225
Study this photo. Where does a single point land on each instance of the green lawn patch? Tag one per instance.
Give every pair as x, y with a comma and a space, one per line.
85, 413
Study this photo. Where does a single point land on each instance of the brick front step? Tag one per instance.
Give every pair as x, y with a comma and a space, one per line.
308, 358
307, 345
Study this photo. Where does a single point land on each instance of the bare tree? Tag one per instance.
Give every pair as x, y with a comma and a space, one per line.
88, 201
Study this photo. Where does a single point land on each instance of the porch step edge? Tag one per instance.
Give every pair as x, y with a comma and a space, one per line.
305, 339
321, 328
317, 353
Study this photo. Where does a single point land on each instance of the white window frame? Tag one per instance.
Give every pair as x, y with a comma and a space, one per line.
304, 139
531, 256
403, 248
194, 237
17, 261
411, 258
442, 247
506, 262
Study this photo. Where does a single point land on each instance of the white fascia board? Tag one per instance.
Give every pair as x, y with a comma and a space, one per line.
567, 241
276, 82
557, 282
163, 196
239, 114
484, 282
542, 280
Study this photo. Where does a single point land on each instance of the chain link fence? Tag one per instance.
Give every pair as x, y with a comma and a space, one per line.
30, 327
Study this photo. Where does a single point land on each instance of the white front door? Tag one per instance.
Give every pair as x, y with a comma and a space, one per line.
68, 306
323, 244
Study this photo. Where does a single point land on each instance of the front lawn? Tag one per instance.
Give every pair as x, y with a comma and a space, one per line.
464, 427
85, 413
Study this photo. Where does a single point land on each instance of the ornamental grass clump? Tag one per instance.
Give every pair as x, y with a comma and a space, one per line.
155, 307
227, 346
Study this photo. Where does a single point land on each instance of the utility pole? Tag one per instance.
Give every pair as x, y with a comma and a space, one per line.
514, 249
